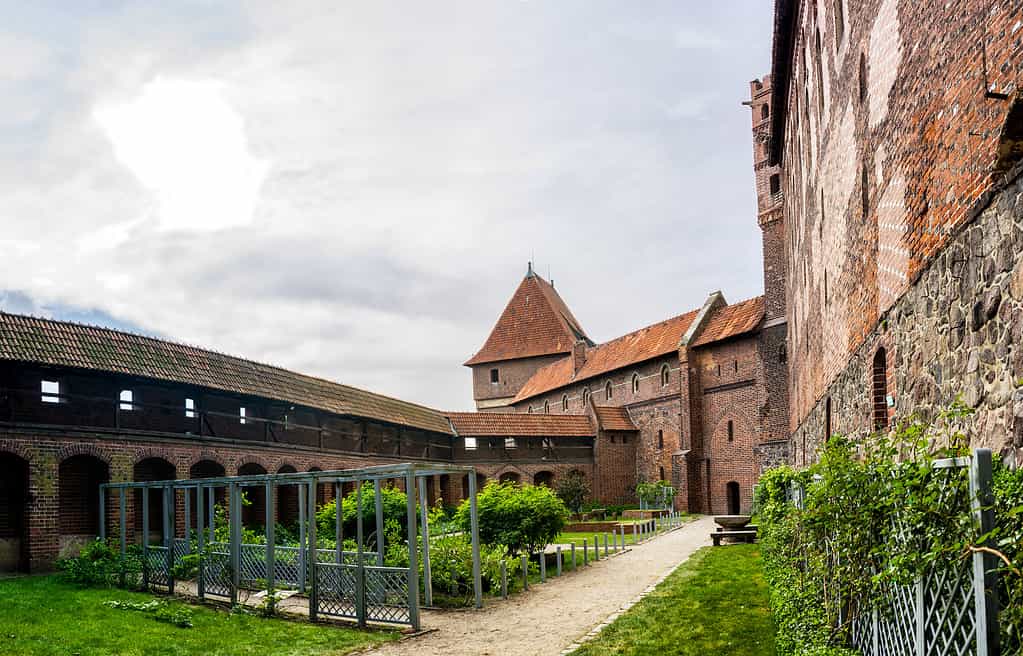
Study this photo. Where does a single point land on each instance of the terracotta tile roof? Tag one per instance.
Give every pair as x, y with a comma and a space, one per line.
535, 322
644, 344
45, 341
478, 424
731, 321
615, 418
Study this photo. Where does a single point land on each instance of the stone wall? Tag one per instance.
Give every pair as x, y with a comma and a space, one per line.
957, 332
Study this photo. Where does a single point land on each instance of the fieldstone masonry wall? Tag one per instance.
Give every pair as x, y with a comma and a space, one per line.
957, 332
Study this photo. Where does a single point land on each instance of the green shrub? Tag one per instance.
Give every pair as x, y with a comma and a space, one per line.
99, 564
573, 490
519, 517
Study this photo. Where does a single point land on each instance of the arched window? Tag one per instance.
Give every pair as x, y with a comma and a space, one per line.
880, 391
564, 402
635, 383
660, 439
665, 375
731, 431
765, 111
546, 407
586, 396
608, 390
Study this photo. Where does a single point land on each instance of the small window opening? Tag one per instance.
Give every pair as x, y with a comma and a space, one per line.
127, 400
731, 431
50, 390
495, 377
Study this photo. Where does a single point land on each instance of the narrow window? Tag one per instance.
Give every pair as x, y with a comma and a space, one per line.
880, 391
863, 78
470, 443
661, 470
775, 183
665, 375
241, 415
635, 383
864, 191
546, 407
509, 443
608, 390
190, 408
51, 391
564, 403
660, 439
765, 111
127, 400
731, 431
494, 376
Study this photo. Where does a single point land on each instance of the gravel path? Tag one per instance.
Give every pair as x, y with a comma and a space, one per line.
551, 617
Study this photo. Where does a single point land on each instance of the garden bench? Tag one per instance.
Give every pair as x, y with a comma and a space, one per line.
744, 535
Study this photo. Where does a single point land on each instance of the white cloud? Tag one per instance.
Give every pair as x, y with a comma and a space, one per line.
187, 144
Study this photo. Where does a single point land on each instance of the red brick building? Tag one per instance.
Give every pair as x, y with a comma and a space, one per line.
895, 130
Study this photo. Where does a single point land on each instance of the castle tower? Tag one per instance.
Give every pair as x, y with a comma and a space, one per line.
535, 329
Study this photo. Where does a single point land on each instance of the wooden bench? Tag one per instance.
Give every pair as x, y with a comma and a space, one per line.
744, 536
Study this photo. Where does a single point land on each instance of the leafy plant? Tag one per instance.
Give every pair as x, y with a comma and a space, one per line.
519, 517
573, 490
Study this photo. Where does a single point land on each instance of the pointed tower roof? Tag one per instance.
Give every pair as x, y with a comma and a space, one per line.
535, 322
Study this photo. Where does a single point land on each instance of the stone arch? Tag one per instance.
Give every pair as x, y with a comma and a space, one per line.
78, 479
14, 497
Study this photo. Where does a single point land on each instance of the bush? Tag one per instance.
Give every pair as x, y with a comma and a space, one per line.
573, 490
99, 564
519, 517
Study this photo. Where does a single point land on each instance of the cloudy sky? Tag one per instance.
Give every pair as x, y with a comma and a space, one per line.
353, 189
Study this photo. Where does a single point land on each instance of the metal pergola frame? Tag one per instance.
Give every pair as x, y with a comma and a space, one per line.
158, 560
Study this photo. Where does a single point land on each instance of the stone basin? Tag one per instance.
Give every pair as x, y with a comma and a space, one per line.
732, 522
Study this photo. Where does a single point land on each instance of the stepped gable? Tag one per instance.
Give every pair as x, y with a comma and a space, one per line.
65, 344
535, 322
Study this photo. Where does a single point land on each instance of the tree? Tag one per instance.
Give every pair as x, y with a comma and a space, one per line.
573, 490
519, 517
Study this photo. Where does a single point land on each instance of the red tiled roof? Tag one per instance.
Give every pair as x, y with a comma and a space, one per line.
535, 322
478, 424
58, 343
731, 321
644, 344
614, 418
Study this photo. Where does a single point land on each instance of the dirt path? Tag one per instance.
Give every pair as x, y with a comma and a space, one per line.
550, 617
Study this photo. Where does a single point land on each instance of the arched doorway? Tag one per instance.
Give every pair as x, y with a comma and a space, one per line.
254, 511
13, 516
545, 478
79, 481
287, 500
509, 477
152, 469
732, 492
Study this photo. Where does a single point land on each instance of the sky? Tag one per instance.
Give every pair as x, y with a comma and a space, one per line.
353, 190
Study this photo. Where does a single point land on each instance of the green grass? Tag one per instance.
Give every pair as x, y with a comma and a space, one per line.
43, 615
714, 603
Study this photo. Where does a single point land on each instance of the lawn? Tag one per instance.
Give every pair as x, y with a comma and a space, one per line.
43, 615
714, 603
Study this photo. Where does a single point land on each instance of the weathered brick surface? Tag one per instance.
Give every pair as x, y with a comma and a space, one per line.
889, 141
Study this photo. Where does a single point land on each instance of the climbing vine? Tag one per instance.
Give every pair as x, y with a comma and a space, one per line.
875, 512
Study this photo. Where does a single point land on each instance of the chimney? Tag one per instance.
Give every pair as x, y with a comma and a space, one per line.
578, 356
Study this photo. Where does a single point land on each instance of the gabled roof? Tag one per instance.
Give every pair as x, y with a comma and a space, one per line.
535, 322
731, 321
616, 418
644, 344
493, 424
59, 343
